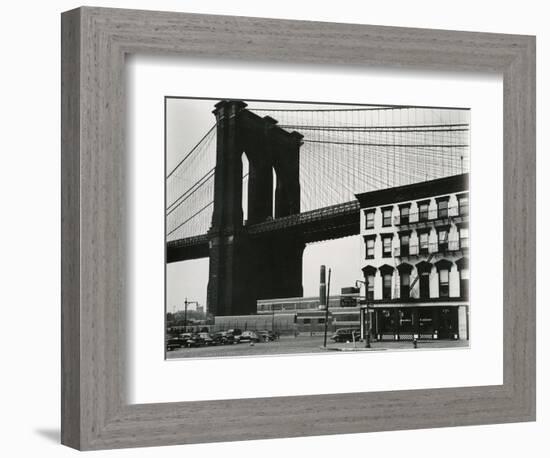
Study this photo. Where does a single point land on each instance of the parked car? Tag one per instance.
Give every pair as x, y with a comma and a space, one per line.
195, 341
174, 342
206, 339
346, 335
266, 336
223, 338
235, 334
186, 336
248, 336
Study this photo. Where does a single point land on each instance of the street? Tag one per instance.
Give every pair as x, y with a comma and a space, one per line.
304, 344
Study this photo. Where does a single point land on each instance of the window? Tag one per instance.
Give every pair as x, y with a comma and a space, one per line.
443, 208
463, 235
423, 208
370, 287
386, 286
404, 213
423, 239
321, 321
463, 204
424, 285
464, 282
404, 244
307, 320
442, 239
370, 248
386, 247
444, 283
406, 321
369, 218
425, 321
405, 285
386, 216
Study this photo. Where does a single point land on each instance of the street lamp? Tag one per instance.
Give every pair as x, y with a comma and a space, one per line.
364, 309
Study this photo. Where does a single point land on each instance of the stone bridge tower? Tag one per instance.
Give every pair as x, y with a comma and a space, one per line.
244, 269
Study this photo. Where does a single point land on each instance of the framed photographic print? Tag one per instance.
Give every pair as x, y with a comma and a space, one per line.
327, 233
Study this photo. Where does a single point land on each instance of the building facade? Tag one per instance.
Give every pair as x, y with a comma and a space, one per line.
296, 315
310, 316
416, 259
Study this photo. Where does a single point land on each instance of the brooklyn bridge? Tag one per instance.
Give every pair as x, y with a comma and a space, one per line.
264, 182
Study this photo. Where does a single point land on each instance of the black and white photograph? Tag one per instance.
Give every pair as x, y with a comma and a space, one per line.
302, 228
245, 229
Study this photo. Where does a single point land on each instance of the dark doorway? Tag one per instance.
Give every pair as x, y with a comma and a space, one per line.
447, 322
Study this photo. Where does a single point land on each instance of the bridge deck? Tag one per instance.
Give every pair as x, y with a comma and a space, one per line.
326, 223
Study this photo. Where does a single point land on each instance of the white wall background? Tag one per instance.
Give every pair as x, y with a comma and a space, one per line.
29, 233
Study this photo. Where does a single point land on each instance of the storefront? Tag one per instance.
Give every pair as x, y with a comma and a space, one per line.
422, 322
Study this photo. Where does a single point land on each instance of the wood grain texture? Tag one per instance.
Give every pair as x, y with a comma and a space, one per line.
70, 229
96, 414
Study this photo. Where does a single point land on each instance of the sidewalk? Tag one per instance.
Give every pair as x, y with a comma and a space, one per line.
398, 345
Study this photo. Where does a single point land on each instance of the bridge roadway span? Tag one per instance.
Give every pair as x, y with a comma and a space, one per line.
326, 223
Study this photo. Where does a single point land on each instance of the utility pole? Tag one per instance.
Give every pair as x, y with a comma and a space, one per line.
326, 309
364, 310
185, 316
186, 303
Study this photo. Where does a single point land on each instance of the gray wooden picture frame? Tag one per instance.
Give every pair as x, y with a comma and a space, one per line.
95, 412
